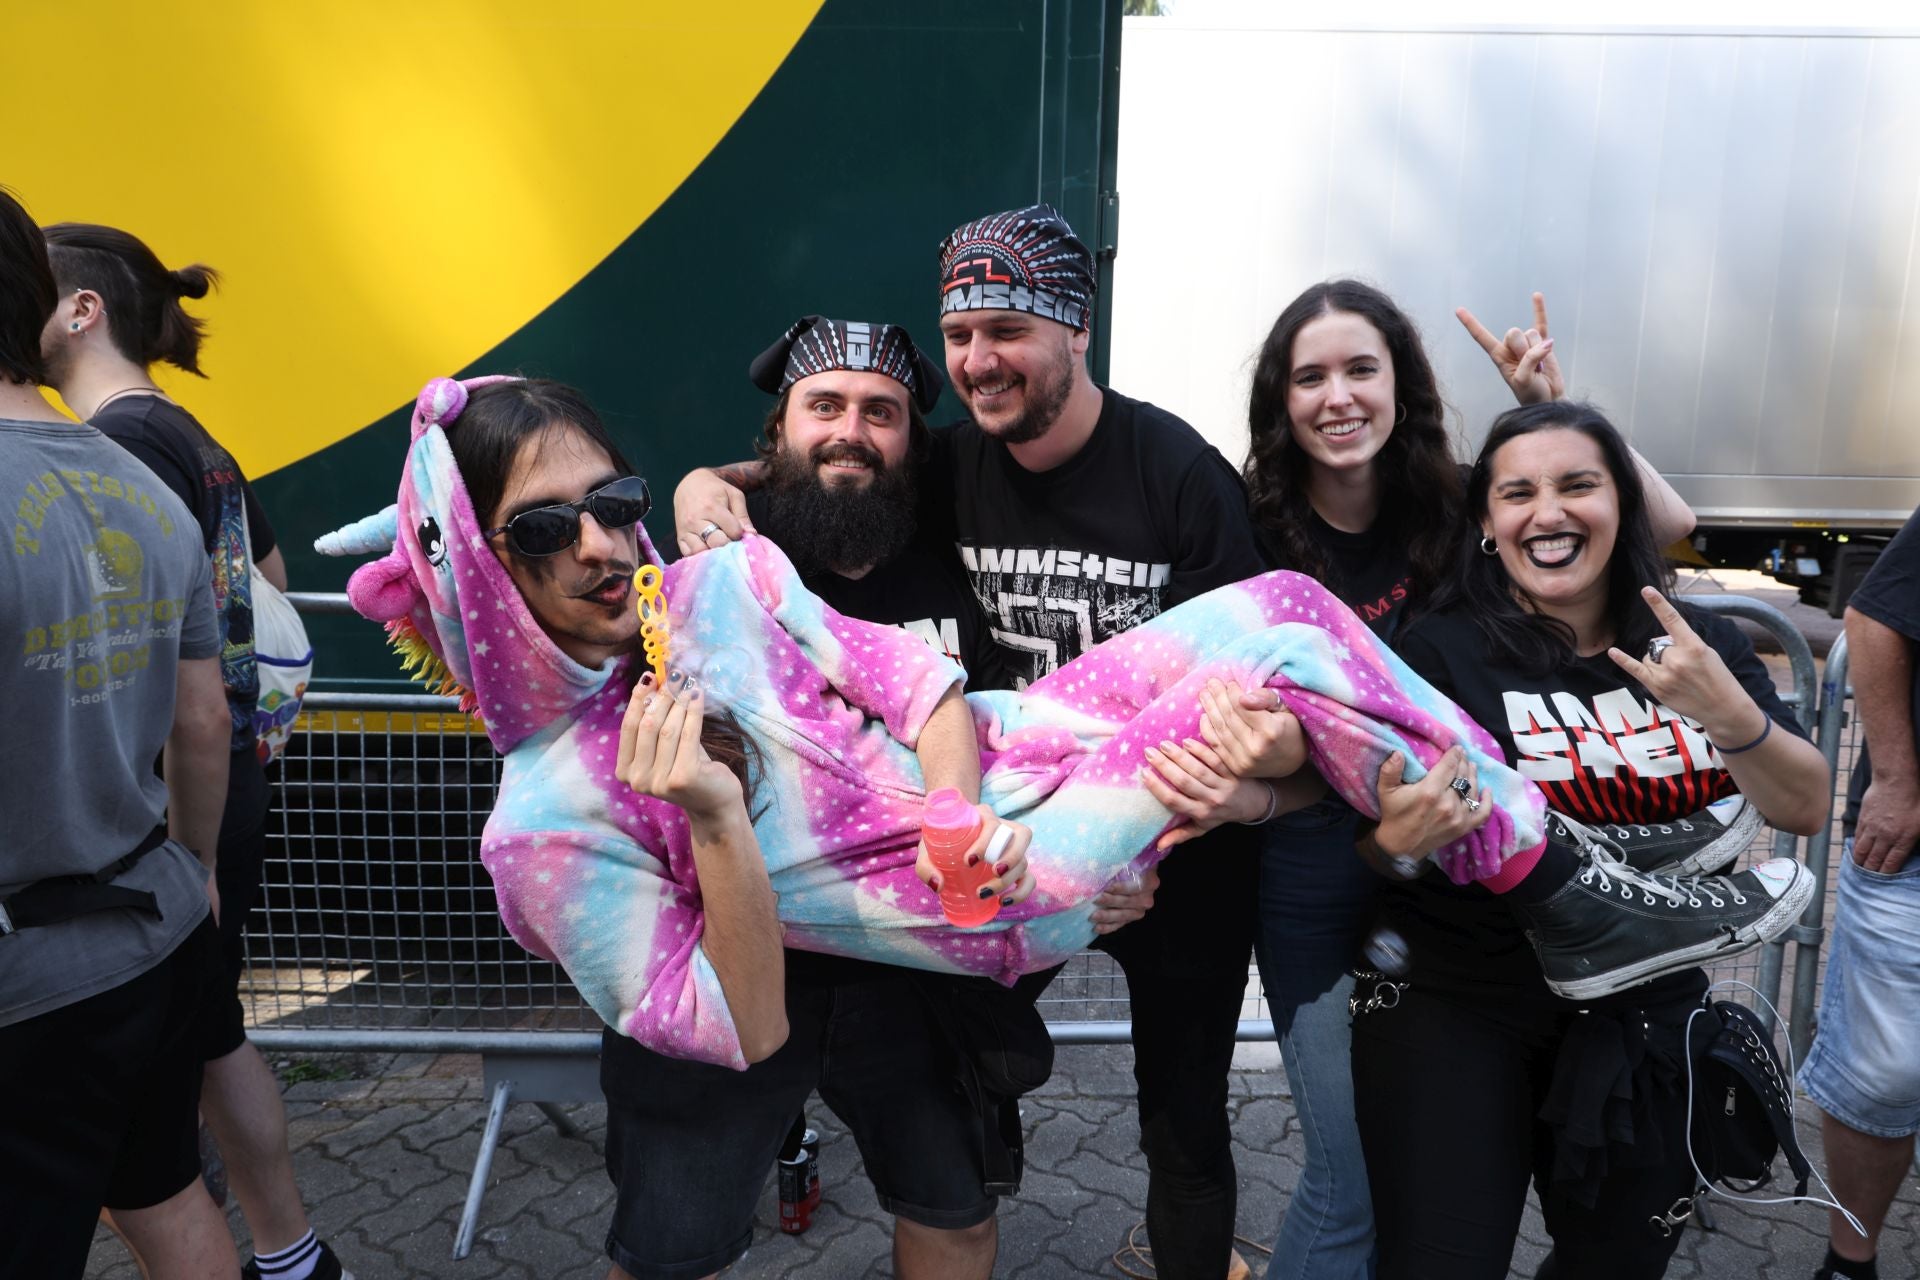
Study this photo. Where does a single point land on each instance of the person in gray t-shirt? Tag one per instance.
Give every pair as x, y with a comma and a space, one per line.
105, 934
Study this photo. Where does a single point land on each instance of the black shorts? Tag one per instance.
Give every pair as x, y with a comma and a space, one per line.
102, 1101
690, 1145
243, 851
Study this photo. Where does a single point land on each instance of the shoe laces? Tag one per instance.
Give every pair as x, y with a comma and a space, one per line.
1611, 873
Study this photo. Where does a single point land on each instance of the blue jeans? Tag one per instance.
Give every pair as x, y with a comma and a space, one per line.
1864, 1067
1317, 902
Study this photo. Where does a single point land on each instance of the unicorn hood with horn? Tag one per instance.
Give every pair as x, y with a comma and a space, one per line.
438, 568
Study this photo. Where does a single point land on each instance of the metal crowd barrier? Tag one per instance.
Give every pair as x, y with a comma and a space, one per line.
377, 930
1837, 734
1763, 968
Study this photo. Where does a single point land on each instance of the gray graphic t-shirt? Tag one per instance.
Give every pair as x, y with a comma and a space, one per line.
103, 589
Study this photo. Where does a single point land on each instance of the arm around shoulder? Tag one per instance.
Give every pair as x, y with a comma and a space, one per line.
713, 500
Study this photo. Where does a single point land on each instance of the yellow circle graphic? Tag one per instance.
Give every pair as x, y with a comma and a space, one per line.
389, 189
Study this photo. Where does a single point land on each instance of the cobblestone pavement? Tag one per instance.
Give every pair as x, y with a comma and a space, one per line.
383, 1159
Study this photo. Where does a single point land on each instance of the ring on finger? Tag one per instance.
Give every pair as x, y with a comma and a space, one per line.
1657, 648
711, 529
1473, 806
1463, 789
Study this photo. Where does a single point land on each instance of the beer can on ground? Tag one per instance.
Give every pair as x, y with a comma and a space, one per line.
810, 1144
796, 1206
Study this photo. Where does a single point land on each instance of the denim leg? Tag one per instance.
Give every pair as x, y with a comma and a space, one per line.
1317, 901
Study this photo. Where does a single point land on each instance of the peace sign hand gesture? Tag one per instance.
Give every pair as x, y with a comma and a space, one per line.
1684, 673
1525, 358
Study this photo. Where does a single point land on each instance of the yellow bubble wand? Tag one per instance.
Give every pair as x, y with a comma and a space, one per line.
654, 628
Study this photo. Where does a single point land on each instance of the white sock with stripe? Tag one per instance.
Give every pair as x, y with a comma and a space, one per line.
295, 1262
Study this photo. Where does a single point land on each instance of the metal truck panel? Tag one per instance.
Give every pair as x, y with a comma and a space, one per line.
1723, 222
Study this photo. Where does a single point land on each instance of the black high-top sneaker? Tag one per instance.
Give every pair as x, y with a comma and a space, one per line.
1611, 927
1701, 844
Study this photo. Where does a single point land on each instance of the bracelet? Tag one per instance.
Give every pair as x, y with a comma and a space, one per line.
1734, 751
1394, 865
1273, 805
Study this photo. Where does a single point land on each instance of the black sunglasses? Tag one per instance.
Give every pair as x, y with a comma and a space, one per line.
547, 531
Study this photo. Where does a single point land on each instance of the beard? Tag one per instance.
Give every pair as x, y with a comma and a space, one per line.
1044, 402
56, 362
839, 528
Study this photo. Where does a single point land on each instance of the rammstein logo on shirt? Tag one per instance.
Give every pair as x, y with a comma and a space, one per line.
1054, 604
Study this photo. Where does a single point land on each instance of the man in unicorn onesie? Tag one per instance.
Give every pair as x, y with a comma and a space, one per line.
665, 854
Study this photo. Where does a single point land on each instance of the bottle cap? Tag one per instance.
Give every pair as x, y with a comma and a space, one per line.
948, 808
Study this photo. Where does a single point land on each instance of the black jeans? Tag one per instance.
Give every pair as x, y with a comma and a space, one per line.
1186, 965
691, 1144
1449, 1098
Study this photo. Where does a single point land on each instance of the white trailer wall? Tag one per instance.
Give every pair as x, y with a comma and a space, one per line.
1724, 225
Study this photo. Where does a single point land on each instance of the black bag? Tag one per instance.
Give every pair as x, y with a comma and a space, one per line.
1742, 1100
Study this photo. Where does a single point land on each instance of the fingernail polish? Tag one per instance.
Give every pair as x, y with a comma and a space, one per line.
986, 891
934, 884
973, 859
999, 868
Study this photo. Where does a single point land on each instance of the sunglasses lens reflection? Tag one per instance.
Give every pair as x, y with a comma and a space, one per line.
548, 531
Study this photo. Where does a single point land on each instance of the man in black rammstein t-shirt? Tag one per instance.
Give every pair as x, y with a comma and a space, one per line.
1080, 513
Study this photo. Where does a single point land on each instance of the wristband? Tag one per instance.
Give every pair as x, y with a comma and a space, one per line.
1273, 805
1734, 751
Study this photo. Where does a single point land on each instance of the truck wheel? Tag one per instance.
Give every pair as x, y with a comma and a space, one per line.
1849, 570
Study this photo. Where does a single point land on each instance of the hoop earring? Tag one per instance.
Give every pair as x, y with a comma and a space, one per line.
1403, 414
1488, 547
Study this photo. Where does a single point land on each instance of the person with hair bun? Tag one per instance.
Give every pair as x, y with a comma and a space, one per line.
118, 315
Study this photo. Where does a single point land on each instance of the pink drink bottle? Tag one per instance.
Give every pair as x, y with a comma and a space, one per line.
950, 827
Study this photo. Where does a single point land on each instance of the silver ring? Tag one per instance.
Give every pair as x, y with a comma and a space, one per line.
1464, 789
707, 532
1658, 646
1473, 806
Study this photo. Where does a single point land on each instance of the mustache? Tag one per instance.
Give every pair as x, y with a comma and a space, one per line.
620, 573
847, 451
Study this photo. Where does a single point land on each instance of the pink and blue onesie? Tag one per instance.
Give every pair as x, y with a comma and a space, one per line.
602, 880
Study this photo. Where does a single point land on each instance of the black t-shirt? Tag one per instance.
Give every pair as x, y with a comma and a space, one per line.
193, 464
1146, 515
921, 589
1890, 595
1369, 572
1600, 747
